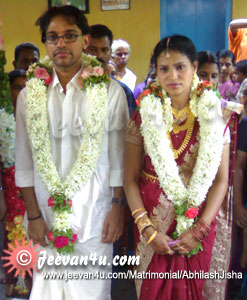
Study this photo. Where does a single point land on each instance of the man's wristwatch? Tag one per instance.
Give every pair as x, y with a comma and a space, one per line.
120, 201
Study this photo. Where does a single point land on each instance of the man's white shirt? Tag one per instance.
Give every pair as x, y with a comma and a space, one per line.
66, 116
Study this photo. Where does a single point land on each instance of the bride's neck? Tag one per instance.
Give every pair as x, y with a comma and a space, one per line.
179, 102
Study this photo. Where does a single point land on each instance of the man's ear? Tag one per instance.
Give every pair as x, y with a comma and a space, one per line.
86, 41
14, 64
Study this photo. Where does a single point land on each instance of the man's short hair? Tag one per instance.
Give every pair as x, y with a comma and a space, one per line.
15, 74
224, 53
24, 46
117, 44
98, 31
70, 13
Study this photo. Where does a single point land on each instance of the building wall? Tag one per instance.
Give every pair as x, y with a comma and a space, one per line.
239, 9
140, 26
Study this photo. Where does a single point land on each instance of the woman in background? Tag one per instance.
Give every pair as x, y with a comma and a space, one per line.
208, 67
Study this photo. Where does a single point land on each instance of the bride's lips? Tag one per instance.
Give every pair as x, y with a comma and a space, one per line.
174, 85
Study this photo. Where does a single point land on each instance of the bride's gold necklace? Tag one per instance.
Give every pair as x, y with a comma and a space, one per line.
188, 125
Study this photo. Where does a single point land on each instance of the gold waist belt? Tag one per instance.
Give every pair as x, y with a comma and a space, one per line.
149, 177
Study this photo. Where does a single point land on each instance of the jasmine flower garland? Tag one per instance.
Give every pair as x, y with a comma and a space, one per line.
7, 138
94, 81
157, 119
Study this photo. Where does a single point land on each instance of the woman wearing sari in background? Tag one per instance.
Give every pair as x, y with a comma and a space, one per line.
208, 69
176, 173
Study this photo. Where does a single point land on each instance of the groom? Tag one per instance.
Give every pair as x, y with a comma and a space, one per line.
90, 159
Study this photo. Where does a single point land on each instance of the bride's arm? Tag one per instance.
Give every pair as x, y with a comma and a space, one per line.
214, 200
133, 164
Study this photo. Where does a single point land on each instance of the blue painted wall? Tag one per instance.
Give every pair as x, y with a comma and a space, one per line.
204, 21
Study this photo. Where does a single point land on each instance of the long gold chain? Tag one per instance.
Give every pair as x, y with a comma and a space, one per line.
189, 125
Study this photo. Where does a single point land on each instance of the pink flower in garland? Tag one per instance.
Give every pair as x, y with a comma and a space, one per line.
191, 212
41, 73
61, 241
98, 71
69, 201
50, 236
74, 238
51, 202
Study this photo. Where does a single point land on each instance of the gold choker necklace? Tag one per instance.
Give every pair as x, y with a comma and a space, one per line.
189, 125
179, 114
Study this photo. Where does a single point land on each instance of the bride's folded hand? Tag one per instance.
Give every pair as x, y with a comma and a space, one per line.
160, 242
186, 243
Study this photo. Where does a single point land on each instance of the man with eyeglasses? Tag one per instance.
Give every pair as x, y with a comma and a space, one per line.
121, 55
80, 157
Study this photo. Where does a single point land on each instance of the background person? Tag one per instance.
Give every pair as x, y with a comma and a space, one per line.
17, 82
25, 55
240, 75
227, 87
237, 36
100, 46
208, 67
120, 55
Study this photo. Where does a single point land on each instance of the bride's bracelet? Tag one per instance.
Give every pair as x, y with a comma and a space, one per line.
152, 237
140, 216
144, 223
200, 230
134, 212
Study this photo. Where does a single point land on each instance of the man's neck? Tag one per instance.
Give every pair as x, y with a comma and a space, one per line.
65, 76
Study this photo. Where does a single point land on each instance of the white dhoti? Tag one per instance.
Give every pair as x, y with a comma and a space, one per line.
75, 289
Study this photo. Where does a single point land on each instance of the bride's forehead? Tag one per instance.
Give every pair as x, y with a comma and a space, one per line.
171, 57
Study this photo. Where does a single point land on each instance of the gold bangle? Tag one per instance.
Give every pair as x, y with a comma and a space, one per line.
138, 210
152, 237
144, 223
140, 216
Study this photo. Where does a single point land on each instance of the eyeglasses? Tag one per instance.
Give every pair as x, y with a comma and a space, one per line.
67, 38
120, 54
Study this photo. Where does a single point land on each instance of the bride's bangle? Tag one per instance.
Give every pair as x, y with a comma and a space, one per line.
152, 237
140, 216
134, 212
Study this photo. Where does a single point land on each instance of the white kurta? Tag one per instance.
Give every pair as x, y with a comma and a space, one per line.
66, 116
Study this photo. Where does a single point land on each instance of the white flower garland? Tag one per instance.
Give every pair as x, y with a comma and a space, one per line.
38, 129
153, 128
7, 138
